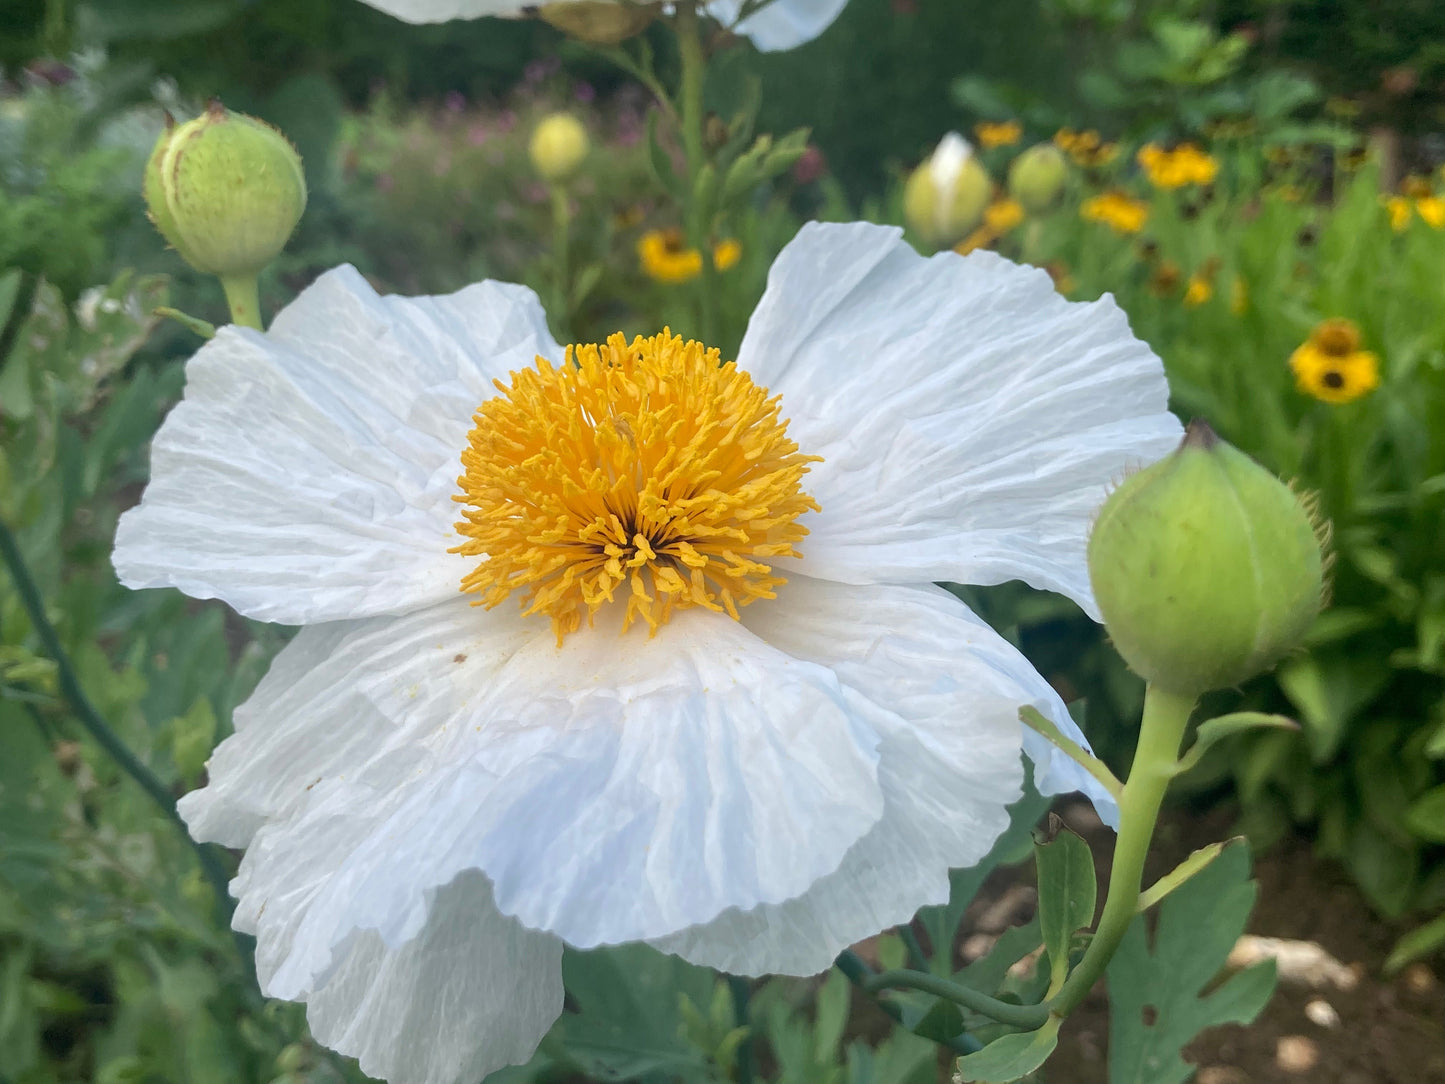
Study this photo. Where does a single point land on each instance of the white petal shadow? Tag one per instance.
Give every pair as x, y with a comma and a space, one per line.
949, 765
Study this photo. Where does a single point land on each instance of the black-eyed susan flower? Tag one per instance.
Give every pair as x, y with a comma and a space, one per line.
623, 643
1185, 164
1117, 210
1331, 366
666, 256
992, 134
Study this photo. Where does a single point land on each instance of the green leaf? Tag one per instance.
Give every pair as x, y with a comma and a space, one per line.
1225, 726
1154, 994
9, 292
1067, 894
1419, 942
1426, 815
941, 923
1182, 872
987, 973
662, 166
1012, 1056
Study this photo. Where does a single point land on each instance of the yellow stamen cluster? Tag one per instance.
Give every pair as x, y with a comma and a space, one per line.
645, 466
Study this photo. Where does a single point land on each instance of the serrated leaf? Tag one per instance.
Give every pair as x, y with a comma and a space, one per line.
1067, 894
1012, 1056
1156, 1006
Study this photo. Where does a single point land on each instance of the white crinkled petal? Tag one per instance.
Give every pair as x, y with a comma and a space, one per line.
782, 24
307, 475
970, 420
473, 992
440, 11
613, 789
949, 765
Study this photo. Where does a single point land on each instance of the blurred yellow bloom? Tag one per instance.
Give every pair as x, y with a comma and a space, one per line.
1330, 365
1000, 216
1002, 134
1432, 210
1085, 148
1199, 290
1124, 213
1399, 211
726, 253
665, 256
1416, 187
1185, 164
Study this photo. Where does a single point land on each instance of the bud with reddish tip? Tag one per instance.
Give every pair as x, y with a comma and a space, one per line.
1206, 567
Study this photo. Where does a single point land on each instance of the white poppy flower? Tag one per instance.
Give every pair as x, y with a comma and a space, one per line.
434, 795
779, 25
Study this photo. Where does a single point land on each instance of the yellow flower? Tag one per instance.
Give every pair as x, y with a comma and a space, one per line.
727, 253
1115, 209
1416, 187
665, 256
1185, 164
1001, 216
1399, 211
1199, 290
1331, 366
1432, 210
1002, 134
1085, 148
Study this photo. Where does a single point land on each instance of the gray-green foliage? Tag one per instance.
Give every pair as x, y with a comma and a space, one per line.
1157, 997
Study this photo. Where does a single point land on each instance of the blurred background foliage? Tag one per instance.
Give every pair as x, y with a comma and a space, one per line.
1323, 119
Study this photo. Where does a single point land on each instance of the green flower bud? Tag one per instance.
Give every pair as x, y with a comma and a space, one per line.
559, 143
598, 22
1036, 177
946, 195
225, 190
1206, 567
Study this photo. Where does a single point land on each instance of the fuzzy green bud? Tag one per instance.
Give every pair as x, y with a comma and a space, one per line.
225, 190
1036, 177
559, 144
1206, 567
599, 22
945, 197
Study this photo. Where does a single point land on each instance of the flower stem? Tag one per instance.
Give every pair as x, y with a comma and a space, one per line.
561, 307
859, 973
92, 720
1155, 763
694, 71
1027, 1017
244, 299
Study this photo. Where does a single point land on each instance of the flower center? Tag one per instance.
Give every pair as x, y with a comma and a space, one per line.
644, 466
1337, 338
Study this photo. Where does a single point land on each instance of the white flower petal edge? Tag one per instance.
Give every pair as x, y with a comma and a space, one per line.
970, 419
473, 992
783, 24
607, 799
307, 475
948, 765
440, 11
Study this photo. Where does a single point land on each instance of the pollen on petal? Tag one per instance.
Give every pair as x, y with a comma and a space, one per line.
644, 472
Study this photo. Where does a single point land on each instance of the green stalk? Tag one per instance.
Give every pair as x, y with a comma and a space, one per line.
859, 973
92, 721
1155, 761
694, 70
1027, 1017
244, 299
561, 307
